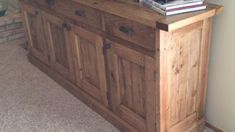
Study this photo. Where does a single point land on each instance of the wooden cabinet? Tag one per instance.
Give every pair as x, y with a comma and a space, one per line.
89, 63
132, 79
58, 36
141, 71
35, 32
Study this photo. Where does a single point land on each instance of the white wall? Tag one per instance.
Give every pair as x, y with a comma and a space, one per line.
220, 109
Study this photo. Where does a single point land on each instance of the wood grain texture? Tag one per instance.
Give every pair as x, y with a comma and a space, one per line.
140, 14
89, 63
179, 21
133, 95
136, 33
164, 43
33, 24
136, 75
76, 11
203, 69
149, 17
80, 94
184, 61
58, 38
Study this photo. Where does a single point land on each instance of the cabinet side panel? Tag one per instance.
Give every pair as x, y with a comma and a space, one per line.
203, 71
183, 76
183, 72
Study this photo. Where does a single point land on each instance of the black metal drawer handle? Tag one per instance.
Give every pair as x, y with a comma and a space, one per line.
80, 13
67, 26
36, 11
50, 2
127, 30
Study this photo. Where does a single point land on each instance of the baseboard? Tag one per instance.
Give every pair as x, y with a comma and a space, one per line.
213, 127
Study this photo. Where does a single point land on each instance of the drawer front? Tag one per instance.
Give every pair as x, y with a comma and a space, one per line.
131, 31
30, 2
75, 11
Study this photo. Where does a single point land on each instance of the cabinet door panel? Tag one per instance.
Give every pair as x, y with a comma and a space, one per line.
132, 87
58, 36
90, 67
34, 27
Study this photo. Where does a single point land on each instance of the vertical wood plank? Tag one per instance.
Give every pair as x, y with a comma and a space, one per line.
164, 41
151, 94
101, 69
204, 62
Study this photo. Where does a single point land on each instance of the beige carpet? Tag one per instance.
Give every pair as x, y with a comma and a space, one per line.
32, 102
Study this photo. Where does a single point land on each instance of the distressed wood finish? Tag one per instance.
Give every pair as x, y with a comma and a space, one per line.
132, 77
141, 71
134, 32
184, 62
78, 12
58, 33
34, 26
90, 65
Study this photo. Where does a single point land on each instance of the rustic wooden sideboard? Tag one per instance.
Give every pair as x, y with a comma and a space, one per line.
141, 71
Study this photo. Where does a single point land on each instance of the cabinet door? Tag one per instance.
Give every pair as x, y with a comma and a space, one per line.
90, 67
36, 38
132, 85
58, 32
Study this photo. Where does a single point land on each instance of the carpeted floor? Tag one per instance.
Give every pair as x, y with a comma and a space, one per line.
32, 102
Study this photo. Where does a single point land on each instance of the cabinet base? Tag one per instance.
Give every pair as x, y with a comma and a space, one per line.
92, 103
77, 92
199, 127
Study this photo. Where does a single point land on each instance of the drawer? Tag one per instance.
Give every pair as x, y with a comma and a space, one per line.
75, 11
30, 2
131, 31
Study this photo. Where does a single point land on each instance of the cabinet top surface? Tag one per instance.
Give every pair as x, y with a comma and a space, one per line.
149, 17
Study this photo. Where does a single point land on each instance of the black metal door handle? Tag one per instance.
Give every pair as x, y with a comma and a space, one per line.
127, 30
80, 13
106, 46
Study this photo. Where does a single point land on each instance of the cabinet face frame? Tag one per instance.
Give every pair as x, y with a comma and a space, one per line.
66, 69
28, 12
88, 49
123, 93
158, 114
